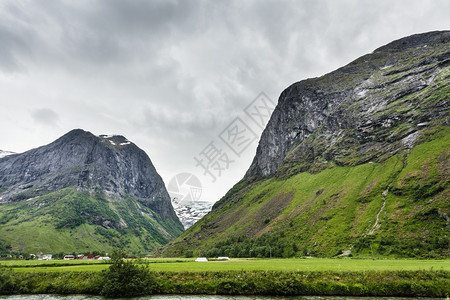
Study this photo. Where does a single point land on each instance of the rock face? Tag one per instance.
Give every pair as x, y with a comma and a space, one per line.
79, 159
5, 153
353, 115
352, 162
108, 165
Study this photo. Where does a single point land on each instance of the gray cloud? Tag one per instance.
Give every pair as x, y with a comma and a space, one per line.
171, 75
15, 40
45, 116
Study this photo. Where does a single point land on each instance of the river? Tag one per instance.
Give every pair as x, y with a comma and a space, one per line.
200, 297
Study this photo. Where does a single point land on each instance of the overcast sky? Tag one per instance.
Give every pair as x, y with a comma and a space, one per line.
173, 76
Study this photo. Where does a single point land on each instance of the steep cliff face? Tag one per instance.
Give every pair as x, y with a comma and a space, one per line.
366, 111
111, 164
353, 162
109, 167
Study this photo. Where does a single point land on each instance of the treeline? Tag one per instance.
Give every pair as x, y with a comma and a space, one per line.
126, 279
5, 248
265, 246
434, 247
59, 255
269, 245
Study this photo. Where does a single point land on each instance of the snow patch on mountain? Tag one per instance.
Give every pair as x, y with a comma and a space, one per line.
190, 212
115, 139
5, 153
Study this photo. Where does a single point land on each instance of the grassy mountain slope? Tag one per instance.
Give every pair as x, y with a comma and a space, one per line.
326, 213
355, 162
72, 221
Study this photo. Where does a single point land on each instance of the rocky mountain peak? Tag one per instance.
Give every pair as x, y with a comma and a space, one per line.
417, 40
5, 153
365, 111
108, 163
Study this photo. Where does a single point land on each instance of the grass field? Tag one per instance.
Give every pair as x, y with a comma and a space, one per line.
322, 277
189, 265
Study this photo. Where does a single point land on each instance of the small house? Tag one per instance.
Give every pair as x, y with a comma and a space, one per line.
45, 257
69, 256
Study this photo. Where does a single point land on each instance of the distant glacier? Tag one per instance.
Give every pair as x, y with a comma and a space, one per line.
190, 212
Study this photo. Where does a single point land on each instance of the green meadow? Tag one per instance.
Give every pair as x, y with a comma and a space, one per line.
189, 265
308, 276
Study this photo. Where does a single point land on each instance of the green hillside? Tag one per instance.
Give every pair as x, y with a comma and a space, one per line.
72, 221
335, 210
352, 163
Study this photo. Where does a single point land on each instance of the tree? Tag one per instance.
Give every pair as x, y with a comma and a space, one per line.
125, 278
6, 281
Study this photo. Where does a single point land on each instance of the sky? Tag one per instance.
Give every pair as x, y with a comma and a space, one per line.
189, 82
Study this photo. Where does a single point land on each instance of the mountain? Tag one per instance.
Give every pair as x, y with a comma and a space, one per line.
5, 153
355, 162
84, 193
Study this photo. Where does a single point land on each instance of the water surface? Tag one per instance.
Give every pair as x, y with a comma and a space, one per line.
200, 297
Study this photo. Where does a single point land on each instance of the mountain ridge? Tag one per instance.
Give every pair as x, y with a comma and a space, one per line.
4, 153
